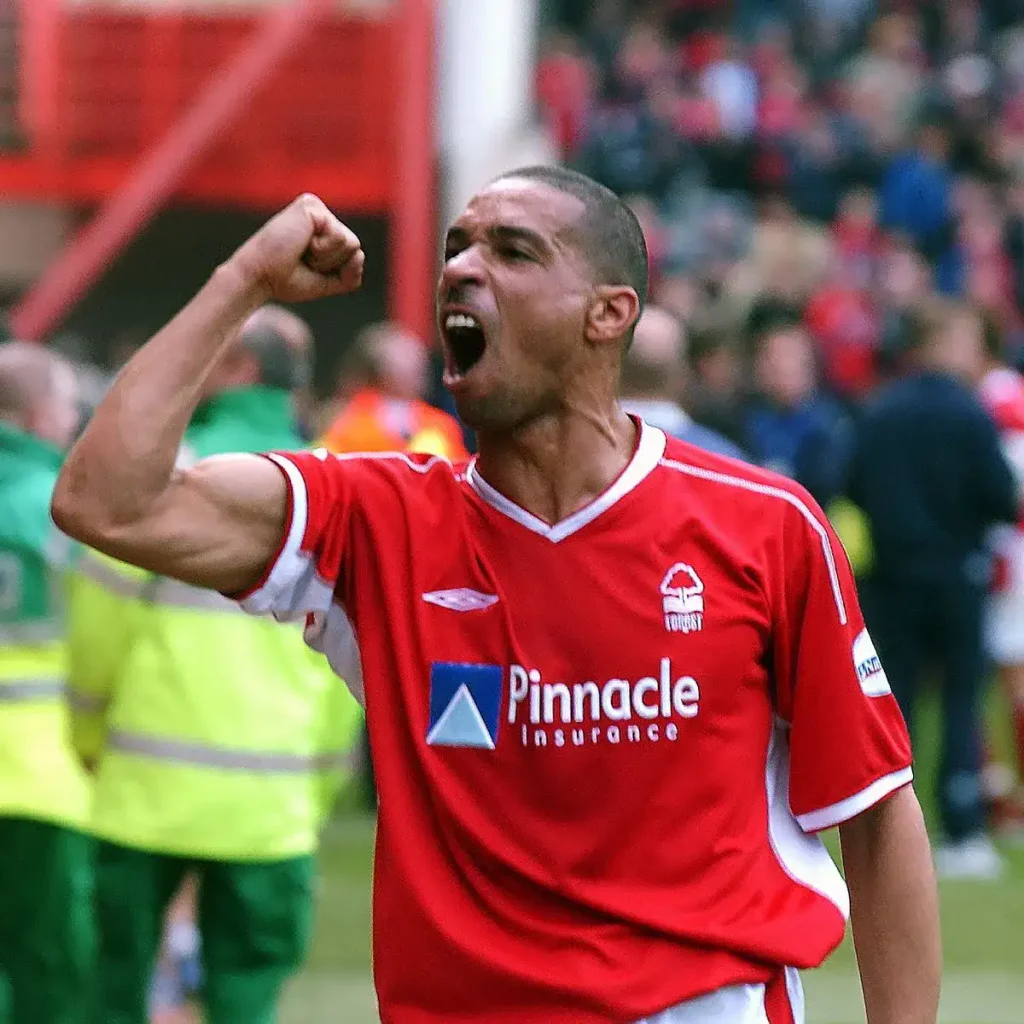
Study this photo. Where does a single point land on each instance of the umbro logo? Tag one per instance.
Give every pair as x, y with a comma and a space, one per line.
461, 599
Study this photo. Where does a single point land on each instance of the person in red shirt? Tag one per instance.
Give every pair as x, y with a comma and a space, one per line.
1002, 391
615, 685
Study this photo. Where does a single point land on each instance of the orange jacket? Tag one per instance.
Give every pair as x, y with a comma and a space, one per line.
372, 422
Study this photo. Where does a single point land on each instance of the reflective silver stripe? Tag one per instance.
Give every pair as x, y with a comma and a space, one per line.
109, 578
24, 691
182, 595
337, 761
155, 589
203, 756
87, 703
30, 634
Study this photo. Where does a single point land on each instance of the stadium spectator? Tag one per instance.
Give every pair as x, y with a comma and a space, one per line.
929, 473
381, 390
1002, 391
792, 427
917, 191
654, 376
47, 939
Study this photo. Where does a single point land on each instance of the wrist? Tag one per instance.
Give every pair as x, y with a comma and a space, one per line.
237, 277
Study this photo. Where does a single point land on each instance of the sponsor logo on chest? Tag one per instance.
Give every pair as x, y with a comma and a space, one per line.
465, 703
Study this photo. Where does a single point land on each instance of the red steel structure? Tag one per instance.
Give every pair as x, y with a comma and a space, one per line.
128, 108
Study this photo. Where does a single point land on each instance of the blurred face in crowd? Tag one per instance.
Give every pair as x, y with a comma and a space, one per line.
518, 306
958, 347
859, 208
904, 279
402, 365
655, 364
785, 367
718, 371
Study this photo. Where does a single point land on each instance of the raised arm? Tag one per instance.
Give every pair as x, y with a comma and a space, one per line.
219, 523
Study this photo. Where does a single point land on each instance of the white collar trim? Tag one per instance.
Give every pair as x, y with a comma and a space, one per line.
646, 458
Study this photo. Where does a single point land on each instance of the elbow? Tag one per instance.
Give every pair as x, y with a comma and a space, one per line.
77, 506
68, 507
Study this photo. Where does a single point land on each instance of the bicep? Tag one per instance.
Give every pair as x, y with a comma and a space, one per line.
218, 525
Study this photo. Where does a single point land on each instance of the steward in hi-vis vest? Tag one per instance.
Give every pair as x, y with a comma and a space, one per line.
221, 743
46, 938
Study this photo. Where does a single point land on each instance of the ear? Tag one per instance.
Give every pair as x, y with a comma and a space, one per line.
613, 311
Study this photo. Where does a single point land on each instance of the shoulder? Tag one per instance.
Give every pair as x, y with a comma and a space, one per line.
398, 471
766, 497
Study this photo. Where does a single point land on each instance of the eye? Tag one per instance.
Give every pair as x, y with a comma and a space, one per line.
515, 254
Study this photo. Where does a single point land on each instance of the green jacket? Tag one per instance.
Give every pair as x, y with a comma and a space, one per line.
40, 775
221, 736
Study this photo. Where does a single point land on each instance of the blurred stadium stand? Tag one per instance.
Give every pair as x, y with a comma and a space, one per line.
114, 110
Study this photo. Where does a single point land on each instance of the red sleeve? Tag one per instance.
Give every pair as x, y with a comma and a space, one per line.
331, 497
849, 747
302, 577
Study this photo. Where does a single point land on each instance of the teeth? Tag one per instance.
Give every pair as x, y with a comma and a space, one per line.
457, 320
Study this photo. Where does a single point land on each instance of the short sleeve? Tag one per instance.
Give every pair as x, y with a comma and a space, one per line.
301, 579
849, 747
332, 498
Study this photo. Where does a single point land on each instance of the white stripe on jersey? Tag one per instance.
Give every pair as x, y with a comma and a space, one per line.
775, 492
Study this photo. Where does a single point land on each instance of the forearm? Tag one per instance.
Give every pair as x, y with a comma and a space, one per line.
125, 459
894, 908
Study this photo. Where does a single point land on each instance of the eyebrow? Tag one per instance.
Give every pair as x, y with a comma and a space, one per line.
502, 233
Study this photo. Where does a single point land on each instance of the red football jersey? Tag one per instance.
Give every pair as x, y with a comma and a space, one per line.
602, 747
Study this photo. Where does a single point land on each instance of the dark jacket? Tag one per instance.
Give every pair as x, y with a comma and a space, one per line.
929, 473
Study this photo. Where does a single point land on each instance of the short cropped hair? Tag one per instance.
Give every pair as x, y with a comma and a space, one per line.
612, 239
280, 365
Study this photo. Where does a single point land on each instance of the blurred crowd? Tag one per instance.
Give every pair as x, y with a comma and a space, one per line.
825, 164
833, 197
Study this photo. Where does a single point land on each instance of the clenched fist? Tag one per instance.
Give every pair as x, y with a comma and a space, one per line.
303, 253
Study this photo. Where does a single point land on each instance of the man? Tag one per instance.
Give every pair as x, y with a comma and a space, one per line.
224, 741
600, 666
385, 412
296, 334
1002, 391
929, 475
792, 427
653, 375
46, 940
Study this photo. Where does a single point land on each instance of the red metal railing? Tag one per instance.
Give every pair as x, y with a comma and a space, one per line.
126, 107
101, 85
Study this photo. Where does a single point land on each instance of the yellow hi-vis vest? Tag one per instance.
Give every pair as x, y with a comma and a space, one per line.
40, 776
216, 735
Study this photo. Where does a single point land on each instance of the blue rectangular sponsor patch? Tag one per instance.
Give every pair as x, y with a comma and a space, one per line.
465, 705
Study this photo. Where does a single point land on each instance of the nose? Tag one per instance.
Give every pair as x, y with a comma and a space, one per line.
461, 270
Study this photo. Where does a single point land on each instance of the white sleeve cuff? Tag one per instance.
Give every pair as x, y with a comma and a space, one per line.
849, 808
290, 564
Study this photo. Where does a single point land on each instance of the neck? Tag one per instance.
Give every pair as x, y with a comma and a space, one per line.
557, 465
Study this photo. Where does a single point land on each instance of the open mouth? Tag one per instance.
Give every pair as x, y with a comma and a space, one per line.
465, 342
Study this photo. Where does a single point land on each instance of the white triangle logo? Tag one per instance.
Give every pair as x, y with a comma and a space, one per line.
461, 724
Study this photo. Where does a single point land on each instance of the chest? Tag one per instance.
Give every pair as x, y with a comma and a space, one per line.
604, 649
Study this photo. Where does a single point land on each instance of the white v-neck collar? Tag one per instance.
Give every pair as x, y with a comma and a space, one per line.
648, 453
